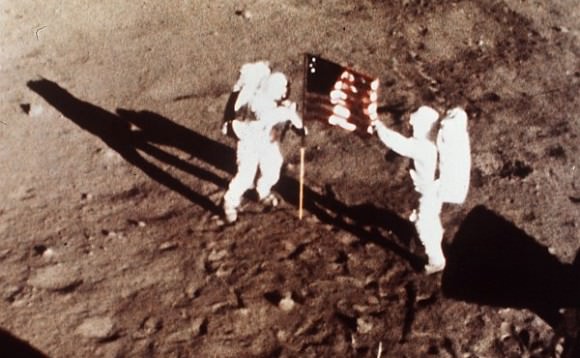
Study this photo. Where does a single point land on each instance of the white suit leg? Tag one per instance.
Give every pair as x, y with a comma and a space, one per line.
243, 180
270, 163
430, 230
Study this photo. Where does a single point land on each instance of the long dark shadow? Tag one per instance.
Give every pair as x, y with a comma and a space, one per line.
115, 131
492, 262
14, 347
354, 219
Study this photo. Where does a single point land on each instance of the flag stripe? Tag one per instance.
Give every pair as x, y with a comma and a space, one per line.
339, 96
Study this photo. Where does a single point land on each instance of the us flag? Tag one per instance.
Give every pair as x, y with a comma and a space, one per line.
339, 96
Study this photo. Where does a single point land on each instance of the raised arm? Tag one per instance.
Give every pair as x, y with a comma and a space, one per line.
396, 141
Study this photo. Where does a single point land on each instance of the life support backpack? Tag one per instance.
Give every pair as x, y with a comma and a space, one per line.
454, 157
252, 75
243, 114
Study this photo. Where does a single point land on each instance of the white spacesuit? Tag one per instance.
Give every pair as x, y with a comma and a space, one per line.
452, 185
262, 94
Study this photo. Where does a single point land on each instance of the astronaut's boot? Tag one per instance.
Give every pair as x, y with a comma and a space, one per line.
270, 200
436, 261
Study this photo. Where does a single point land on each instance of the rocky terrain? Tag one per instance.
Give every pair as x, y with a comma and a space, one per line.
113, 167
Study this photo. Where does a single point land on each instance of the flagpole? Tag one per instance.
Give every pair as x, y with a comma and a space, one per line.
302, 143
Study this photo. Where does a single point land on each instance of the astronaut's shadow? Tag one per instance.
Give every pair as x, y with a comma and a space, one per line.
131, 132
148, 129
492, 262
362, 220
12, 346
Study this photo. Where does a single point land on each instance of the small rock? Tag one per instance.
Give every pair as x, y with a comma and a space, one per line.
193, 289
4, 253
559, 347
286, 304
180, 336
56, 278
218, 307
112, 155
362, 326
152, 325
86, 196
360, 308
217, 255
166, 246
373, 300
35, 110
199, 326
560, 29
99, 328
283, 336
346, 238
12, 292
224, 271
311, 219
506, 330
48, 253
244, 13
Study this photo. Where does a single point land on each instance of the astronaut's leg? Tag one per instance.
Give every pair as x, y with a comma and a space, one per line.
430, 230
270, 163
242, 181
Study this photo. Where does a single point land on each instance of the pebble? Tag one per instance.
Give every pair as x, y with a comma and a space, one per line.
193, 289
99, 328
180, 336
506, 330
56, 278
362, 326
48, 253
35, 110
199, 326
346, 238
151, 325
4, 253
217, 255
218, 307
224, 271
12, 292
112, 155
286, 304
244, 13
166, 246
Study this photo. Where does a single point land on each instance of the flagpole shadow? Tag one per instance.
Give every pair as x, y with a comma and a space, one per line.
152, 129
12, 346
492, 262
356, 219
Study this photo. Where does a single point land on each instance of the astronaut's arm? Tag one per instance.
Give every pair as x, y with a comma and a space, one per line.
394, 140
291, 115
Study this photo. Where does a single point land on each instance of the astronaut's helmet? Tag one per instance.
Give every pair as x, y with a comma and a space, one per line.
276, 86
455, 116
423, 120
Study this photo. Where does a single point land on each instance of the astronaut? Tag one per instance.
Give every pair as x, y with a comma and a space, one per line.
262, 112
452, 148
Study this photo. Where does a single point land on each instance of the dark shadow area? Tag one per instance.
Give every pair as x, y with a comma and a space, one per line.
153, 129
13, 347
492, 262
360, 220
115, 131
